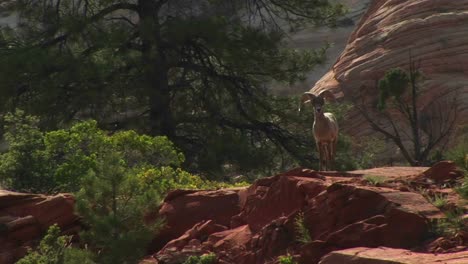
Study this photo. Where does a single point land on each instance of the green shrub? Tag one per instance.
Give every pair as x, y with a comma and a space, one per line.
203, 259
302, 231
55, 249
288, 259
462, 190
393, 84
128, 176
459, 152
24, 167
374, 179
117, 178
58, 160
451, 224
113, 201
439, 200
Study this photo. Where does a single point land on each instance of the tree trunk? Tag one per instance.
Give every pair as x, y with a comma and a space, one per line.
415, 120
160, 115
155, 71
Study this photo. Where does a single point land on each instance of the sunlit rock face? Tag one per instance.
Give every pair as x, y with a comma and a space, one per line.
433, 32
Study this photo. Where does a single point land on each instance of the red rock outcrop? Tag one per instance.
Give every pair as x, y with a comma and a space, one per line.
443, 172
181, 210
385, 255
24, 218
257, 224
434, 31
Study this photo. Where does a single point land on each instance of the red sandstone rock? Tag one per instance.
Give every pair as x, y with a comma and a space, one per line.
270, 198
199, 232
434, 31
24, 218
349, 216
181, 210
339, 212
444, 171
384, 255
455, 243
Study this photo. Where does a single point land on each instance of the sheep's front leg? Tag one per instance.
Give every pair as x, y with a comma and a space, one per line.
319, 149
327, 155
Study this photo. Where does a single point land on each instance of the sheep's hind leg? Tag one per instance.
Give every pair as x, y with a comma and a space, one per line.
333, 153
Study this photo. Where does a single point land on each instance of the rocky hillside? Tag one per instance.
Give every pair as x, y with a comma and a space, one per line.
343, 215
376, 216
433, 31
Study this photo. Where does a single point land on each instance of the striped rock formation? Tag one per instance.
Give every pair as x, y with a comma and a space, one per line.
435, 33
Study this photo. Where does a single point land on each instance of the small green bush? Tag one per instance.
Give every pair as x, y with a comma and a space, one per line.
55, 249
288, 259
393, 84
451, 224
462, 190
203, 259
24, 167
439, 200
459, 152
374, 179
302, 231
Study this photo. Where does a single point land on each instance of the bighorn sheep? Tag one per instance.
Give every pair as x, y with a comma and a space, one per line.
325, 128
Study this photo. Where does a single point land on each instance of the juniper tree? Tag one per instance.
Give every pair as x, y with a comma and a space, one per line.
399, 109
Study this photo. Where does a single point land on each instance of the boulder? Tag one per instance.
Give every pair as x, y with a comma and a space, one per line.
441, 172
339, 212
24, 218
350, 216
181, 210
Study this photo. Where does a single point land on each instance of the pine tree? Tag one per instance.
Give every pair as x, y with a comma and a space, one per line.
194, 71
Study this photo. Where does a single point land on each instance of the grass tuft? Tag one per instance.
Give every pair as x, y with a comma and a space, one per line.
302, 231
288, 259
203, 259
452, 224
374, 179
439, 200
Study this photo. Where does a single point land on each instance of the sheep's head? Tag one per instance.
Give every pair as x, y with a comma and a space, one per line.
317, 101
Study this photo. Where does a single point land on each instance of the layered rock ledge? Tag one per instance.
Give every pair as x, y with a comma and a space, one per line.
340, 211
24, 219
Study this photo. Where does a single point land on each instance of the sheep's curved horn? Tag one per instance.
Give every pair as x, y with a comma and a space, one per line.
327, 95
306, 98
